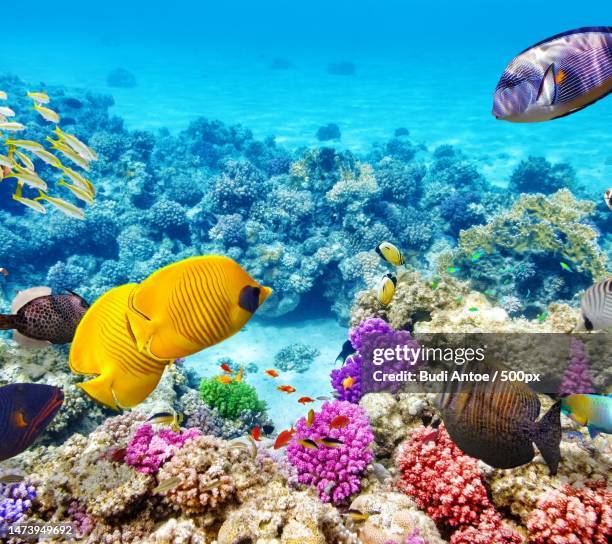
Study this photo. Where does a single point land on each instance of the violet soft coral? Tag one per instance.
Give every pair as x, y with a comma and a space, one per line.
449, 486
15, 502
577, 376
351, 368
334, 471
372, 334
148, 449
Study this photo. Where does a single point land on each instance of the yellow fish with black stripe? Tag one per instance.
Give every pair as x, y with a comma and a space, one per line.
192, 305
390, 253
131, 333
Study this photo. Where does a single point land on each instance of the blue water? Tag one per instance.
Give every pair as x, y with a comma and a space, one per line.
429, 67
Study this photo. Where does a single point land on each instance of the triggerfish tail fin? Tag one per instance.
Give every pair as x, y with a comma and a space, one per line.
27, 295
100, 389
548, 437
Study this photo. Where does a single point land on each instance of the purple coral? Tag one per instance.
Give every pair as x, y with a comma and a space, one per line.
577, 376
148, 449
370, 335
15, 501
334, 471
352, 368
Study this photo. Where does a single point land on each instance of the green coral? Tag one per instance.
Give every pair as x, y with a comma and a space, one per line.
230, 399
553, 224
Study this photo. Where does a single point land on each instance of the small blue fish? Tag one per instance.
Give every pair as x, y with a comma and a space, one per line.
556, 77
542, 317
565, 266
476, 256
452, 269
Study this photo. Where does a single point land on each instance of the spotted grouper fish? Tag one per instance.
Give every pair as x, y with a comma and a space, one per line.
496, 421
556, 77
40, 318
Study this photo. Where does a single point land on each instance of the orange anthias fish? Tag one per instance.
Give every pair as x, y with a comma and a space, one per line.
305, 400
286, 389
238, 377
256, 433
272, 372
224, 379
339, 422
226, 368
347, 383
284, 438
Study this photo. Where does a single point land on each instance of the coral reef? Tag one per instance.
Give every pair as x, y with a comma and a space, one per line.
450, 487
335, 471
230, 399
149, 449
297, 357
573, 515
577, 376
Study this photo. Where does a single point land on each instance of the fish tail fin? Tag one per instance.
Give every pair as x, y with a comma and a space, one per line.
548, 437
100, 389
7, 322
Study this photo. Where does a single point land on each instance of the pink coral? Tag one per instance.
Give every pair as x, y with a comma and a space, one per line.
449, 486
334, 471
148, 449
577, 376
573, 516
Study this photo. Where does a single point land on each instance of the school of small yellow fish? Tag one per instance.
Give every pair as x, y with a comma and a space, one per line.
18, 162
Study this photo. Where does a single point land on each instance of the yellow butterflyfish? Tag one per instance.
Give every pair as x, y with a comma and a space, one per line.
191, 305
47, 114
39, 98
103, 346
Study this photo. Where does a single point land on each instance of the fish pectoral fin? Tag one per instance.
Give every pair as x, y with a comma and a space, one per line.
142, 330
593, 432
547, 94
100, 389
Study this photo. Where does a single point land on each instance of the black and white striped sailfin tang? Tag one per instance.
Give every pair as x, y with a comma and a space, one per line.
596, 305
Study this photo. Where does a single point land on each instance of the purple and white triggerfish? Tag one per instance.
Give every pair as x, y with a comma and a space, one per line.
556, 77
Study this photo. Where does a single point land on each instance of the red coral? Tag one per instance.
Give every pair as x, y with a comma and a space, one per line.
573, 516
448, 485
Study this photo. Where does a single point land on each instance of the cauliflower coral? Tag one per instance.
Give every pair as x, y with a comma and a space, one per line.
334, 471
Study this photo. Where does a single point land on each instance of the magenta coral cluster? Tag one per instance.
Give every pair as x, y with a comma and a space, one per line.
335, 471
577, 376
372, 333
449, 486
573, 515
149, 449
